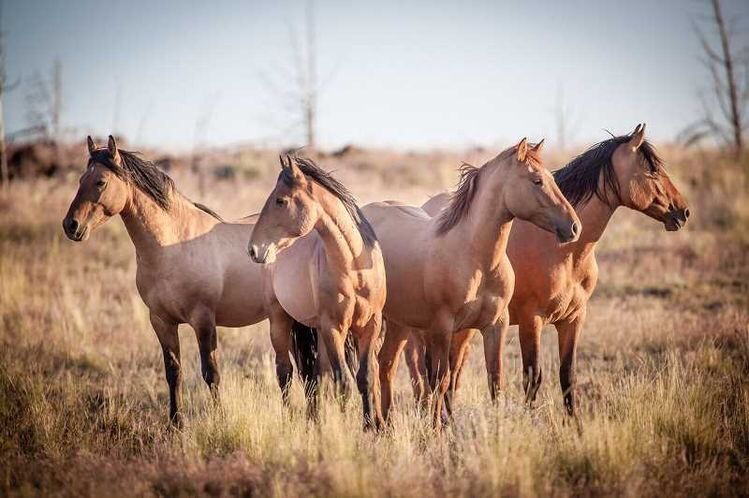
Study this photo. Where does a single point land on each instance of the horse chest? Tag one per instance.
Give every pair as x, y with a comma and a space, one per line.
571, 297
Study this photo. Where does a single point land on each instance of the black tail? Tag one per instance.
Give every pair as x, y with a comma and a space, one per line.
304, 340
305, 351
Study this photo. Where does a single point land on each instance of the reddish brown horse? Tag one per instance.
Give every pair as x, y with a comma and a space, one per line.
555, 281
451, 272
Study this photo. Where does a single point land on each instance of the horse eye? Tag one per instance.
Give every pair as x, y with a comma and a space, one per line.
280, 201
101, 183
538, 181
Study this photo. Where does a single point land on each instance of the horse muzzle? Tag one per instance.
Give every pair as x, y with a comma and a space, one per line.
569, 233
259, 253
74, 230
675, 219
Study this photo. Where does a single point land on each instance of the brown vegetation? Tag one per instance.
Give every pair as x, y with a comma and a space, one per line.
664, 406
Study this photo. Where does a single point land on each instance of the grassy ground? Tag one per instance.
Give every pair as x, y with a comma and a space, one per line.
663, 369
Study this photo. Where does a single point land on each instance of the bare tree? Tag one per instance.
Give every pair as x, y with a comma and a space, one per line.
563, 119
296, 88
729, 71
4, 87
202, 121
44, 102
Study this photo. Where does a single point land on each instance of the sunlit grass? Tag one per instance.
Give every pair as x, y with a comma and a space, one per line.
663, 371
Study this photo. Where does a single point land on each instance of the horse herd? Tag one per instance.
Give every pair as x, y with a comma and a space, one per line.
513, 244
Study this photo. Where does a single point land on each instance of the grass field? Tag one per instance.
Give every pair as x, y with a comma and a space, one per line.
663, 367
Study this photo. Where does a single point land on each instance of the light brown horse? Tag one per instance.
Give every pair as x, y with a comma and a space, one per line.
192, 266
555, 282
451, 272
324, 269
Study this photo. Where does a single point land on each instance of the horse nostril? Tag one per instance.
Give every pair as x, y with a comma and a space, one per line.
686, 213
252, 252
71, 225
575, 228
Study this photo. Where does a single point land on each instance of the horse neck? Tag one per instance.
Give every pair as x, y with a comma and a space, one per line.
594, 215
152, 227
340, 236
486, 228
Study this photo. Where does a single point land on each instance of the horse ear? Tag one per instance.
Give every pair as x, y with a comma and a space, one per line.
112, 146
296, 172
91, 145
638, 137
539, 146
522, 150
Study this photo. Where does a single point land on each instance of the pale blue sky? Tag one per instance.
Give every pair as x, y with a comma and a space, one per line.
398, 73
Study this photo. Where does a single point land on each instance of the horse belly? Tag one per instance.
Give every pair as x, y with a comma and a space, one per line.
242, 302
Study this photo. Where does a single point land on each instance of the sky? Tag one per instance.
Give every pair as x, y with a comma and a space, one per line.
393, 73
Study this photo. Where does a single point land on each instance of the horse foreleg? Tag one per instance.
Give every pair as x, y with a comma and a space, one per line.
415, 354
205, 331
169, 339
494, 339
368, 375
530, 345
461, 342
334, 340
395, 341
569, 333
438, 348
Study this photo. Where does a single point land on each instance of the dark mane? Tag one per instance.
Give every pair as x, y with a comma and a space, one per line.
578, 180
324, 179
145, 175
461, 198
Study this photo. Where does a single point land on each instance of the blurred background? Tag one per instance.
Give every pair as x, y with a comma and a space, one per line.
392, 96
185, 76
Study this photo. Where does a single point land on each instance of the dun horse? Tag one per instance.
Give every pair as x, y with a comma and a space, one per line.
555, 282
451, 272
192, 266
325, 270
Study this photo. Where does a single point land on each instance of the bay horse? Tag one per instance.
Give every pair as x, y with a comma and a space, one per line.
191, 265
325, 270
451, 272
555, 281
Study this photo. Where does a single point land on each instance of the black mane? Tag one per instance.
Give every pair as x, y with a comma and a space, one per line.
145, 175
326, 180
578, 180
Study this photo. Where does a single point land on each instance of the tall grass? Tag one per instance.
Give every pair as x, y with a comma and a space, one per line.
663, 379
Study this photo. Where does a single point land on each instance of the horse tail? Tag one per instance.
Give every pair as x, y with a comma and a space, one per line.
304, 340
304, 343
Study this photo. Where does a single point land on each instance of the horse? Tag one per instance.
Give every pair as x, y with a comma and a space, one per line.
325, 270
555, 282
191, 265
451, 272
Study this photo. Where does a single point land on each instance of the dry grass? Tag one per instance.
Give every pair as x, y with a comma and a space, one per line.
663, 369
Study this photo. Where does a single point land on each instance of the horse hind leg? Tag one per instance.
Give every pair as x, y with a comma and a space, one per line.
388, 358
281, 340
205, 331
